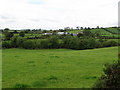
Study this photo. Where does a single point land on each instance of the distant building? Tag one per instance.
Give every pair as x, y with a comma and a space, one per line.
62, 33
47, 33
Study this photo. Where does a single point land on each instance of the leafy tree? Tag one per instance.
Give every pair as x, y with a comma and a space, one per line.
111, 77
22, 34
67, 28
6, 44
97, 27
44, 31
6, 29
14, 42
81, 27
28, 44
15, 31
80, 35
53, 42
78, 28
8, 35
44, 44
87, 33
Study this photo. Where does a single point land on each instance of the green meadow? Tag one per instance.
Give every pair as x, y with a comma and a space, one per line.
55, 68
74, 31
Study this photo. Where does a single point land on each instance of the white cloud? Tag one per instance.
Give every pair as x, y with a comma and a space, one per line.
54, 14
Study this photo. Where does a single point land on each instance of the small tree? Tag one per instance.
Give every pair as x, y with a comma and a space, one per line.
22, 34
6, 29
15, 31
14, 42
78, 28
80, 35
111, 79
87, 33
8, 35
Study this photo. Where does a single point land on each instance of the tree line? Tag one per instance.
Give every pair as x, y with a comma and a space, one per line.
55, 42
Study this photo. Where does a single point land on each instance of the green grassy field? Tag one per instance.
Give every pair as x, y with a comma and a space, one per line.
101, 31
55, 68
114, 30
112, 35
75, 31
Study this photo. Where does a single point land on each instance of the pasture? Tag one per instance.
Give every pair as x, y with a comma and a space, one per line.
74, 31
55, 68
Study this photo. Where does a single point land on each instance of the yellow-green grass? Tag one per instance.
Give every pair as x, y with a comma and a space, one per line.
55, 68
101, 31
75, 31
26, 35
114, 30
112, 35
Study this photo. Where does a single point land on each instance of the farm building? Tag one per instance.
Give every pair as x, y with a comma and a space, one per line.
47, 33
62, 33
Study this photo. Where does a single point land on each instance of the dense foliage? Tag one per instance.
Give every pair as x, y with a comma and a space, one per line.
111, 79
55, 41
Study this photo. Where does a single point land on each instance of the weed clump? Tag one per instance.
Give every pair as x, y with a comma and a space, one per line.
39, 84
52, 78
21, 86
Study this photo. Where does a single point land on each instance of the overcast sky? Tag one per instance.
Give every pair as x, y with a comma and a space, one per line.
56, 14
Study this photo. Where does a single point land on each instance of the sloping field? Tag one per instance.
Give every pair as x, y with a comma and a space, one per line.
113, 30
101, 31
55, 68
75, 31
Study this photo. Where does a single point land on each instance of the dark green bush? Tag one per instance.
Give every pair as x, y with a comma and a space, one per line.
109, 43
17, 41
6, 44
22, 34
21, 86
111, 79
28, 44
54, 40
8, 35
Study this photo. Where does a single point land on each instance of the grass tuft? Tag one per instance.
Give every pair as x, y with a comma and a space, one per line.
39, 84
21, 86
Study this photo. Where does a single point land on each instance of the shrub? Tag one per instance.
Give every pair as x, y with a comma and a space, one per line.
22, 34
98, 44
6, 44
90, 43
21, 86
44, 44
14, 42
8, 35
109, 43
53, 42
52, 78
28, 44
17, 41
20, 41
111, 79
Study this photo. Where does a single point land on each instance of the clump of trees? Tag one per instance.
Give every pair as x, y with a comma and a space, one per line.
83, 40
22, 34
54, 42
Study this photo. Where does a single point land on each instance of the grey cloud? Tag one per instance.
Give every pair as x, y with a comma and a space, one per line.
6, 16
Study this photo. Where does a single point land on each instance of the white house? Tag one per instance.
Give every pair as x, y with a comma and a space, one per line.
47, 33
62, 33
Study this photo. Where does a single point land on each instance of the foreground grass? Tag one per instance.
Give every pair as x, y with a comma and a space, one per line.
55, 68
